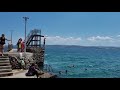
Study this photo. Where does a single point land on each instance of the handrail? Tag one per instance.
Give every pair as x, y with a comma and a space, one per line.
48, 68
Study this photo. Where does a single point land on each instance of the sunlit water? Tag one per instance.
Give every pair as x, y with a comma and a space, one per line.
84, 62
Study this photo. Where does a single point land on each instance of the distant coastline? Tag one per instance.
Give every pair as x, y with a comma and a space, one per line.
86, 46
78, 46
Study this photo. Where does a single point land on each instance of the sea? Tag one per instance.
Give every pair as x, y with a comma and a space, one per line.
83, 61
70, 61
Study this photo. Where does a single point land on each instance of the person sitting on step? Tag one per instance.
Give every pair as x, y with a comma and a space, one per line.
33, 71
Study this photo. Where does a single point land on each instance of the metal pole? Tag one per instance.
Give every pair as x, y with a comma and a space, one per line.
25, 32
11, 45
40, 38
11, 36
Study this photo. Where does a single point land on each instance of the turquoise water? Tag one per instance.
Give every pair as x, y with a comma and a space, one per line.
84, 62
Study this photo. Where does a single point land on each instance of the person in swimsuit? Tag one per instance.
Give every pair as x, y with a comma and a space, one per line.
2, 42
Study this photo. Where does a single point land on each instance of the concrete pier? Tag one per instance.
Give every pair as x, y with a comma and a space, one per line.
21, 74
14, 52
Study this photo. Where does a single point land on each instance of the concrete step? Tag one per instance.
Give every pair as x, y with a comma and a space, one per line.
5, 64
5, 67
6, 55
4, 61
4, 58
5, 70
6, 74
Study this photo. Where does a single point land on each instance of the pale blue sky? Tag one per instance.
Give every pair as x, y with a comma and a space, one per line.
69, 28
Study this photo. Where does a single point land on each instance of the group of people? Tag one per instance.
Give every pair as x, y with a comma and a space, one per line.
20, 45
33, 69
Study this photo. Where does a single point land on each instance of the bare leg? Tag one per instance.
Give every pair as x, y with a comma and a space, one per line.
1, 50
0, 53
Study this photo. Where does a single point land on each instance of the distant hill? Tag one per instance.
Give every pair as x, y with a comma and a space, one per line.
15, 46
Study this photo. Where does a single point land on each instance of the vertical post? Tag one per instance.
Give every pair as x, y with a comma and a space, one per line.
11, 36
25, 32
11, 45
44, 43
40, 38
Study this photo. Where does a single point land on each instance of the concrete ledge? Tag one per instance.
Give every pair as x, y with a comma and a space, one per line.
21, 74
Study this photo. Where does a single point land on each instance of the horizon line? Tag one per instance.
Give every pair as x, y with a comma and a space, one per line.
75, 45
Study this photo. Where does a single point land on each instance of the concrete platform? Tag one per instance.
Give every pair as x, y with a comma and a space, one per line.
28, 54
21, 74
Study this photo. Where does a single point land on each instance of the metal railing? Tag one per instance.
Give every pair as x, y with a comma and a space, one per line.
47, 68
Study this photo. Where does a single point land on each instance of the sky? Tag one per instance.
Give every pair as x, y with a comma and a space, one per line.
65, 28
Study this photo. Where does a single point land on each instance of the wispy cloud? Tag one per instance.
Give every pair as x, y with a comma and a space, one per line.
118, 35
99, 38
88, 41
63, 40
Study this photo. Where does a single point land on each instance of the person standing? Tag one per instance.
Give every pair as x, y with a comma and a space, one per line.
2, 42
19, 45
22, 46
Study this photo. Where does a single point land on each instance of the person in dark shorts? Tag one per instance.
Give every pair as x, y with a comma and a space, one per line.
2, 42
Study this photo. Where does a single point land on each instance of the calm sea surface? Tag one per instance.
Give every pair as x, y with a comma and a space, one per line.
83, 62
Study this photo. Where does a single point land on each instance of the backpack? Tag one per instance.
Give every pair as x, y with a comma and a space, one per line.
0, 40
